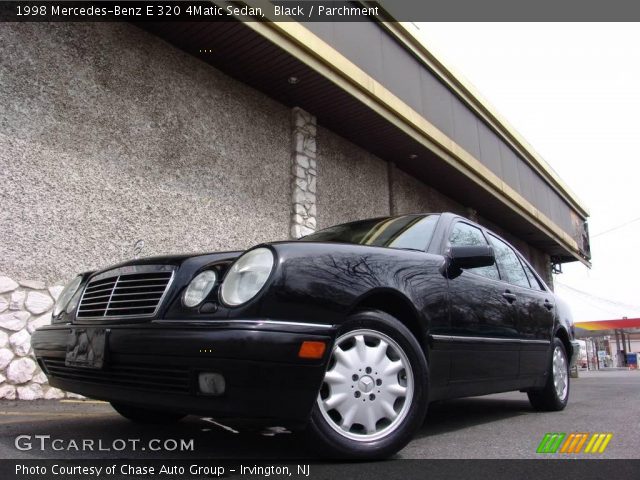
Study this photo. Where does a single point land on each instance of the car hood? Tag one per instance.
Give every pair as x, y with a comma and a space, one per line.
179, 259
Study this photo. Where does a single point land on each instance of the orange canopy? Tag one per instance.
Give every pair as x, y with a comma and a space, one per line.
609, 324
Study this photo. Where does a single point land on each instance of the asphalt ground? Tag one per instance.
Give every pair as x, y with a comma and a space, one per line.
501, 426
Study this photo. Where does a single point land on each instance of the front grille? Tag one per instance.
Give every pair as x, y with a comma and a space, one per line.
172, 379
125, 292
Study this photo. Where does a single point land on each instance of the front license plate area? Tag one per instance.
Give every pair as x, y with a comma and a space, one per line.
86, 348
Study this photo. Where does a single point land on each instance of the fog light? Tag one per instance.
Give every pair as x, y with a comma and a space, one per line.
211, 383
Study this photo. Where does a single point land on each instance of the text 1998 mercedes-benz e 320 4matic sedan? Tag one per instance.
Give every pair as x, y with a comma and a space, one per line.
348, 333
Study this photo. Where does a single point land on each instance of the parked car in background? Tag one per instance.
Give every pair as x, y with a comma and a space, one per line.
348, 333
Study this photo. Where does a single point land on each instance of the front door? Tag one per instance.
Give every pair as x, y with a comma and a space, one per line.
483, 337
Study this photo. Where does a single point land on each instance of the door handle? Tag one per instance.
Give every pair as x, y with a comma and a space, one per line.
511, 297
548, 304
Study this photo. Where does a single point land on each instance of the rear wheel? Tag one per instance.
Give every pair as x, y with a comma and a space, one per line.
145, 415
374, 394
555, 394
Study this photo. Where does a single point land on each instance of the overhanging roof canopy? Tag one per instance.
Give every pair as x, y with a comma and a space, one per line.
398, 102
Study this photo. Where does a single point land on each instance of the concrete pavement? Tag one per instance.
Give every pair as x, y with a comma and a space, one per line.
494, 426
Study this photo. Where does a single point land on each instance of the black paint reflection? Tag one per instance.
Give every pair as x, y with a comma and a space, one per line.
334, 278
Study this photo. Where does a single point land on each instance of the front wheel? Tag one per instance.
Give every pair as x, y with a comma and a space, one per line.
555, 394
374, 394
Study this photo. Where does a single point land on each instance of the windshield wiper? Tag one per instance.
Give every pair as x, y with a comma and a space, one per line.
409, 248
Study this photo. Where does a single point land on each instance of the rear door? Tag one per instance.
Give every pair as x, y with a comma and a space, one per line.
533, 307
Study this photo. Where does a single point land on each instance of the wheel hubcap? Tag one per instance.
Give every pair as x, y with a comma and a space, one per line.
368, 387
560, 374
366, 384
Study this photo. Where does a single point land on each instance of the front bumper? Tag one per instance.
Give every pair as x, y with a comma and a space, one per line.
156, 365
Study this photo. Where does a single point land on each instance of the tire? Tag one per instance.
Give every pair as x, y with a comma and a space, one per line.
145, 415
394, 403
554, 395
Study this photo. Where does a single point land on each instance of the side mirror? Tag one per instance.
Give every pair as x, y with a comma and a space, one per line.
471, 256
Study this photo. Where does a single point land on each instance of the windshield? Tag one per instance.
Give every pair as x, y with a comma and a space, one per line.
411, 232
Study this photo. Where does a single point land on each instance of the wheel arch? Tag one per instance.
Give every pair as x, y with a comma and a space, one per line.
563, 335
397, 305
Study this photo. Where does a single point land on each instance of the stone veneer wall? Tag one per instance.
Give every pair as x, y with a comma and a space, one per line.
304, 173
24, 306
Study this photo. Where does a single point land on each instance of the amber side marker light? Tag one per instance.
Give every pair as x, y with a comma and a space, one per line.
310, 349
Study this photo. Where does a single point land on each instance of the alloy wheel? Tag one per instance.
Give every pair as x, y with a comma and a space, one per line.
560, 376
368, 387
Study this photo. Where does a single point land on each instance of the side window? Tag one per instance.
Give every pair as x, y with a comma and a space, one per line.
533, 280
510, 267
464, 234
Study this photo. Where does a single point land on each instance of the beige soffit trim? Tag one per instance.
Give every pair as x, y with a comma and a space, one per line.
405, 33
302, 44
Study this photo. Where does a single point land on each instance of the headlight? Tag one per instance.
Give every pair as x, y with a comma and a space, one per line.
247, 276
73, 303
199, 288
65, 295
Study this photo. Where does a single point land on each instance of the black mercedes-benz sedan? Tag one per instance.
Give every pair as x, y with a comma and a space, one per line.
347, 333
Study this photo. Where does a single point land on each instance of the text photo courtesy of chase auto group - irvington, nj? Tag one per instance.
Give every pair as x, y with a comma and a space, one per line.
319, 239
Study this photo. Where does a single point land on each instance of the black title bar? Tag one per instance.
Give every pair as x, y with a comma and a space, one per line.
318, 10
100, 469
189, 11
